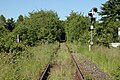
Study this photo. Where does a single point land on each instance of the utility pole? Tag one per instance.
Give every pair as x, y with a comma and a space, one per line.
93, 19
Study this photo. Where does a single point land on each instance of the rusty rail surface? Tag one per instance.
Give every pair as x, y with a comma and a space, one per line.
79, 75
46, 72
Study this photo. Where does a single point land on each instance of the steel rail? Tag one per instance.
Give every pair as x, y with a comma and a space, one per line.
46, 72
81, 77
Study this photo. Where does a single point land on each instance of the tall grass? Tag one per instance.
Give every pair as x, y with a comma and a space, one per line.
63, 69
107, 59
26, 65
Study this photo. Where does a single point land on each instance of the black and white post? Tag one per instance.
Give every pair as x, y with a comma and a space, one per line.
93, 19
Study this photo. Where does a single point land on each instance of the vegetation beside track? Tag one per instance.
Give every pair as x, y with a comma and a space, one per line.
27, 65
107, 59
41, 27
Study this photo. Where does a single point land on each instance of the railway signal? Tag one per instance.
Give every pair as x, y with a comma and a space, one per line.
92, 12
93, 19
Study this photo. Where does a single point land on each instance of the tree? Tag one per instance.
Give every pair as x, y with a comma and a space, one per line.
3, 31
77, 27
40, 26
110, 12
20, 18
2, 20
10, 24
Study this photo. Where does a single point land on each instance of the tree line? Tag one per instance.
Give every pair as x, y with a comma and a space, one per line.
45, 26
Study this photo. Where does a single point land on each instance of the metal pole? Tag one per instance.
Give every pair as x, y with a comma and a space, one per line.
91, 38
89, 47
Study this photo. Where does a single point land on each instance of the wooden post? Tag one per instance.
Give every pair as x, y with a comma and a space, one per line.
18, 39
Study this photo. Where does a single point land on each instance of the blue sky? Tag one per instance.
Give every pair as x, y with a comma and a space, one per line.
13, 8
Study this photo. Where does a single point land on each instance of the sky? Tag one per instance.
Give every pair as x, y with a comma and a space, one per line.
13, 8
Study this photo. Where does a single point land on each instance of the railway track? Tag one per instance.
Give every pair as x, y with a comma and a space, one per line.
81, 68
88, 68
45, 73
79, 74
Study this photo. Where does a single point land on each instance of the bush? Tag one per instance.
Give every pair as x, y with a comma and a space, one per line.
77, 27
116, 73
16, 47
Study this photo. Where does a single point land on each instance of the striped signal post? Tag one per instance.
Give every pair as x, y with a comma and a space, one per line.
93, 19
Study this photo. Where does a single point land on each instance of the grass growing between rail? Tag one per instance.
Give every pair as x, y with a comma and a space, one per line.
26, 65
107, 59
63, 68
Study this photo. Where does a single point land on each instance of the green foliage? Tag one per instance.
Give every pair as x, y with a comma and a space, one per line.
16, 47
2, 20
105, 58
40, 27
107, 31
3, 31
20, 18
27, 35
26, 65
46, 24
110, 11
9, 44
63, 67
116, 73
3, 36
76, 27
10, 24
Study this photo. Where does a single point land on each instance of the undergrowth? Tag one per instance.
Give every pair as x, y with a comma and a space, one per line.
107, 59
62, 68
26, 65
